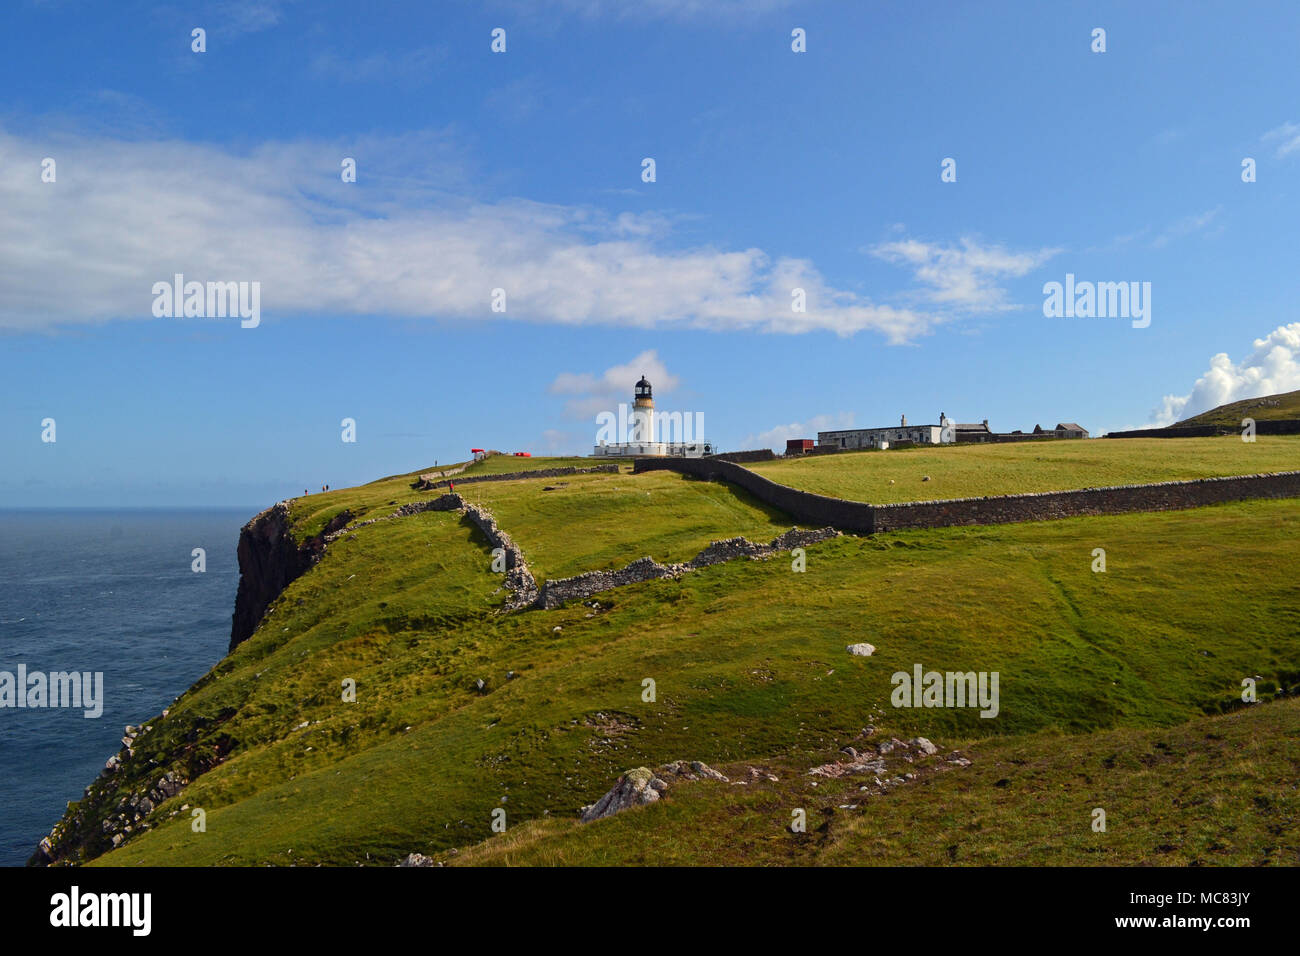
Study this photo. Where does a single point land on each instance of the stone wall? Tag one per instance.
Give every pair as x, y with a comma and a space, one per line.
431, 482
582, 586
865, 518
758, 454
1281, 426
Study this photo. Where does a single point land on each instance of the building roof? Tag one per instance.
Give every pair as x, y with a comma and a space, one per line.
1070, 426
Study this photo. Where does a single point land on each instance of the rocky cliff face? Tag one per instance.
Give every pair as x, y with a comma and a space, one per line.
269, 561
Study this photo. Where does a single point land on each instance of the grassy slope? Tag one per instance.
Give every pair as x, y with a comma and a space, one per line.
748, 657
313, 512
962, 471
1213, 791
597, 522
1283, 405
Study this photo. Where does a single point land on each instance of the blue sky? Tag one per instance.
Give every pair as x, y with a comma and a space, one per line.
522, 171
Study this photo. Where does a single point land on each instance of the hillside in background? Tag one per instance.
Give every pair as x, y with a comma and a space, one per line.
1119, 690
1285, 405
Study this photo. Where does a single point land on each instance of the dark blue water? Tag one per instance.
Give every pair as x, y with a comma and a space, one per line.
109, 591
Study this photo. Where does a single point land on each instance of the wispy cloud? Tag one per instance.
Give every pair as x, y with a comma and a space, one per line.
1274, 366
1285, 139
776, 436
592, 393
411, 67
964, 276
1186, 226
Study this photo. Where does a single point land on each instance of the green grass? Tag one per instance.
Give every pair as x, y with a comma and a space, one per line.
598, 522
976, 470
749, 663
312, 513
1214, 791
1265, 408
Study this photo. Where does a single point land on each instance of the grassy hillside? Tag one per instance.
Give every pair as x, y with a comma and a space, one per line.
750, 668
1214, 791
967, 471
1265, 408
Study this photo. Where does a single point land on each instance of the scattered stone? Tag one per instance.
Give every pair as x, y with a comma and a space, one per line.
692, 770
923, 745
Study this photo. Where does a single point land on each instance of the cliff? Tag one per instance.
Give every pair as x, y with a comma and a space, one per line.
269, 561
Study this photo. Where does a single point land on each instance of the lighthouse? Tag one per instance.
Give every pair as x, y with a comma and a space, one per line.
643, 413
631, 434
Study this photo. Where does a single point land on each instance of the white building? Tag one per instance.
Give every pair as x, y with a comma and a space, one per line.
637, 432
943, 433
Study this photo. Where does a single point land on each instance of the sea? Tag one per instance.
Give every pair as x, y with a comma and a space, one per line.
113, 592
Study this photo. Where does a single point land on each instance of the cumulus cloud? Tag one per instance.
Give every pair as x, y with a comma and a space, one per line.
589, 393
776, 436
964, 276
1274, 366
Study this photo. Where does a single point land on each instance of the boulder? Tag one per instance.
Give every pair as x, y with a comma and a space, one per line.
417, 859
861, 650
923, 745
635, 788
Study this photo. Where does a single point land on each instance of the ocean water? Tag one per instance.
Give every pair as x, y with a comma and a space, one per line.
110, 591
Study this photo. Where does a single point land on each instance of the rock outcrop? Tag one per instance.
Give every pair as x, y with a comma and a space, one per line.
269, 561
641, 785
582, 586
635, 788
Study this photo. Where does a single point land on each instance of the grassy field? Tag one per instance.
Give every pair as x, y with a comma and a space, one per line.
311, 513
750, 668
975, 470
599, 522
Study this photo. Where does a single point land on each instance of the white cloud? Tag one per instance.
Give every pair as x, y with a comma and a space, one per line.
962, 276
776, 436
1273, 367
591, 394
1287, 138
126, 214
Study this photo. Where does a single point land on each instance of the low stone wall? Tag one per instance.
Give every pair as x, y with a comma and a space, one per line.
801, 505
758, 454
1280, 426
582, 586
866, 518
519, 579
1118, 499
430, 482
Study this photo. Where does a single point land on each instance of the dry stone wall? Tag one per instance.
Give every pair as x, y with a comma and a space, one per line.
866, 518
582, 586
432, 482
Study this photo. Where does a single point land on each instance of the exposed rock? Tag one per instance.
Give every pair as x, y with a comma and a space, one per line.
691, 770
861, 650
635, 788
417, 859
558, 591
923, 745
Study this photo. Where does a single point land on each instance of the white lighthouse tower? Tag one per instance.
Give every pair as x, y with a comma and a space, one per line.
643, 414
